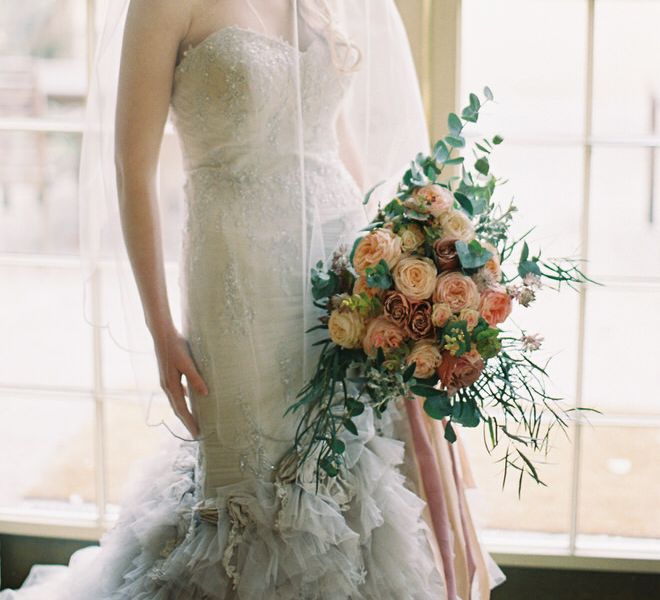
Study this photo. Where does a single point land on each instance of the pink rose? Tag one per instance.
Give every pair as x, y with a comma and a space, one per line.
380, 244
495, 305
437, 199
440, 314
457, 291
382, 333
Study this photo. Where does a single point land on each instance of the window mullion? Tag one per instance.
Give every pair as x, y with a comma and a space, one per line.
584, 239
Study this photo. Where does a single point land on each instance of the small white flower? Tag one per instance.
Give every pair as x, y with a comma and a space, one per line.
532, 281
531, 342
514, 290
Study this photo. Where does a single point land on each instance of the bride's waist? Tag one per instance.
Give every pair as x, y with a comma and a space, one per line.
237, 166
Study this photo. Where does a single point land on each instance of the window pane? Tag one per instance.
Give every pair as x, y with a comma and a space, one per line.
624, 240
51, 447
130, 439
621, 372
118, 373
38, 188
620, 482
42, 59
626, 82
49, 343
532, 55
540, 509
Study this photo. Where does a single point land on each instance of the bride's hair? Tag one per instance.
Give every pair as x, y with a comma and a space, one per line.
319, 15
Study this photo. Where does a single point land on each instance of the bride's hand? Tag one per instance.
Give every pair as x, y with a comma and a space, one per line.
174, 360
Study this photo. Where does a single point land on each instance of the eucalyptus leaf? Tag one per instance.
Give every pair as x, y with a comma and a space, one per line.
367, 196
454, 123
450, 434
472, 255
456, 141
438, 406
482, 165
488, 93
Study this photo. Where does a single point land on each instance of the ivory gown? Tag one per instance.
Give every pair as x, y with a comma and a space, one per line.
365, 539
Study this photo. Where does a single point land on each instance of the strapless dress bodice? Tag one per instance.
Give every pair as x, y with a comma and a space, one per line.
235, 95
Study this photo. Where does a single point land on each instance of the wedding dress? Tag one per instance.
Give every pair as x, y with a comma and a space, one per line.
210, 519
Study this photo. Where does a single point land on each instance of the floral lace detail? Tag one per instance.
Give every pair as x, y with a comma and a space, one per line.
234, 108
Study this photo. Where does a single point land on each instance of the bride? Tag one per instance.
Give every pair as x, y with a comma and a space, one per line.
286, 111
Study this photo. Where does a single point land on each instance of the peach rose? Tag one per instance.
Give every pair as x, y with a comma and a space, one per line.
426, 356
346, 328
440, 314
360, 286
382, 333
380, 244
456, 225
396, 307
457, 291
412, 237
495, 305
415, 276
445, 254
460, 372
492, 267
470, 316
420, 324
437, 198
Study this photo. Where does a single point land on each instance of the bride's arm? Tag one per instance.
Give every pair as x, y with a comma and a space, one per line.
152, 36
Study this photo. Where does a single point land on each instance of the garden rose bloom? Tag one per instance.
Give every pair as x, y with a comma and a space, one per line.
460, 372
456, 225
492, 267
457, 291
360, 286
397, 307
420, 324
437, 198
415, 276
382, 333
426, 356
495, 305
412, 237
445, 254
379, 244
346, 328
440, 314
470, 316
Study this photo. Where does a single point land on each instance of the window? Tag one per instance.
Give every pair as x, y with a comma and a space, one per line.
69, 431
577, 84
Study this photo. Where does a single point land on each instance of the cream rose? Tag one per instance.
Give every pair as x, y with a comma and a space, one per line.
437, 198
414, 276
346, 328
456, 225
426, 356
380, 244
470, 316
382, 333
457, 291
495, 305
440, 314
412, 237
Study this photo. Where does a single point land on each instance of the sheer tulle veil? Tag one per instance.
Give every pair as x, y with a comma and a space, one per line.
382, 108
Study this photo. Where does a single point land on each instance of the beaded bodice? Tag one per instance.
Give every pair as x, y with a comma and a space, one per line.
234, 99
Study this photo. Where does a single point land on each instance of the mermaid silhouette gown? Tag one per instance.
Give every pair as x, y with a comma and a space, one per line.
208, 520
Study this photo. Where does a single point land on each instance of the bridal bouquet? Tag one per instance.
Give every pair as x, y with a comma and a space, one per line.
418, 308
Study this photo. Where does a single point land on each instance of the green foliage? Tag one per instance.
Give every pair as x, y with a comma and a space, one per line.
472, 255
379, 276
